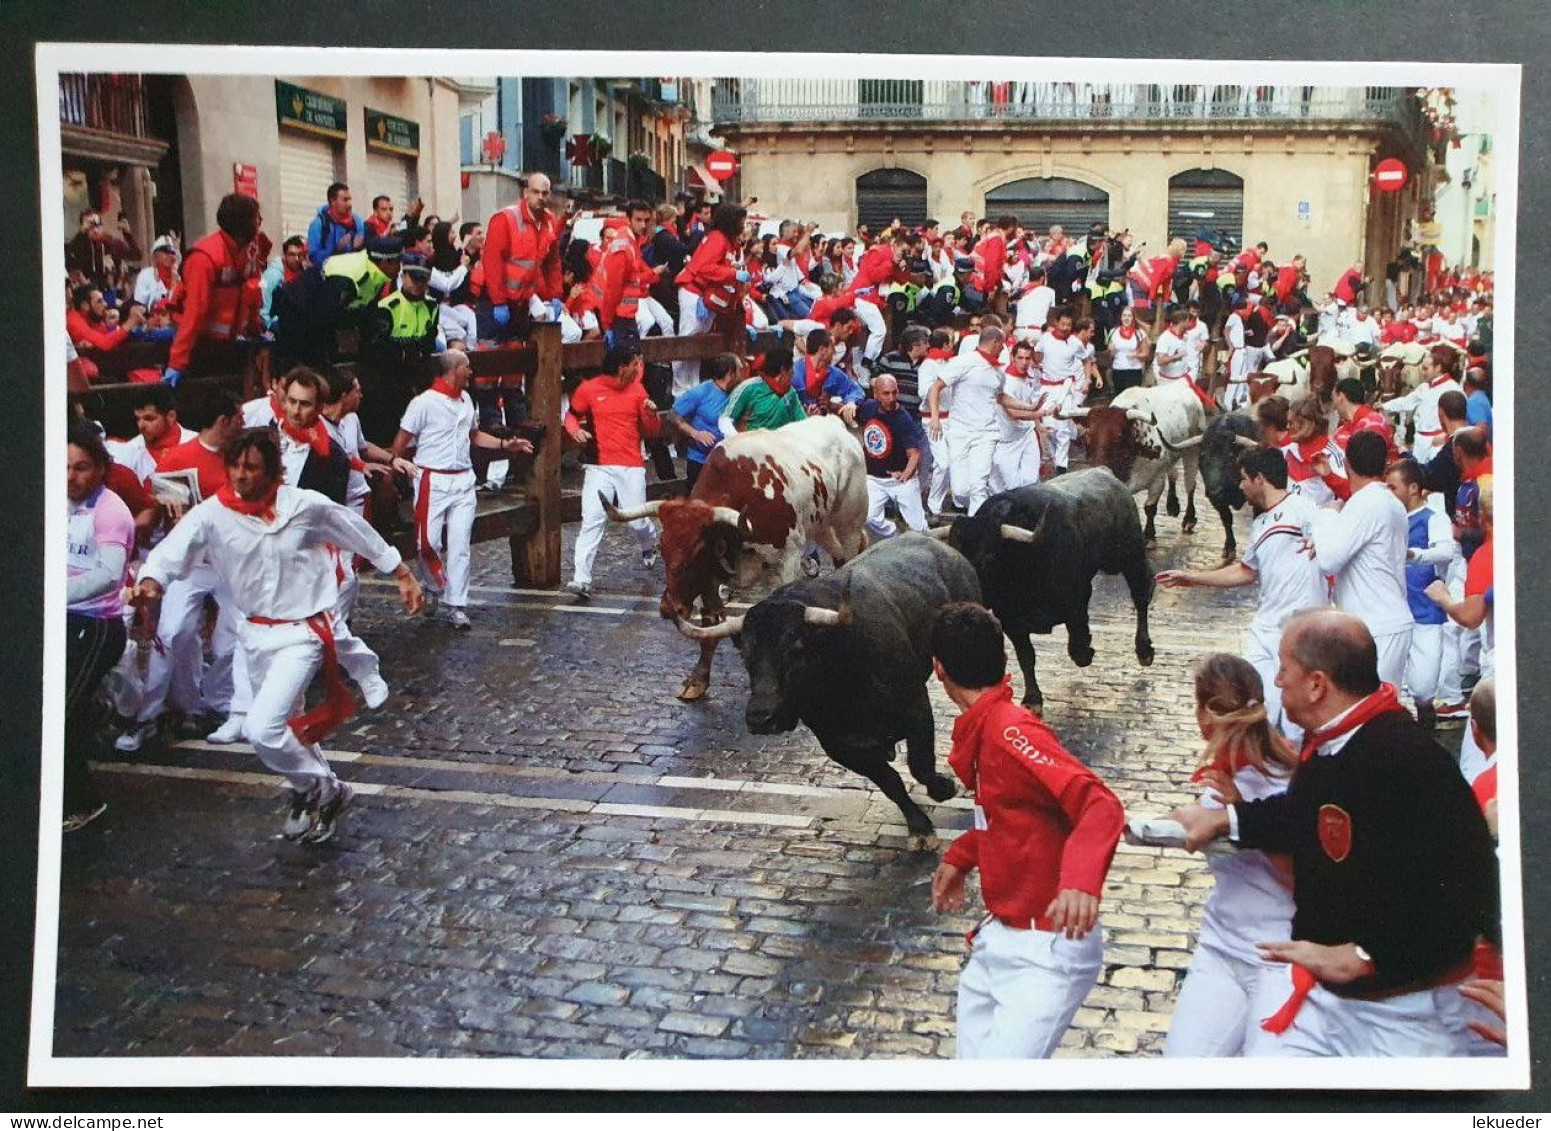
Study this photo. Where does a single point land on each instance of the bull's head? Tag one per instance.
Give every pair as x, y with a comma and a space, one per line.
788, 646
1115, 437
1391, 376
982, 537
700, 546
1226, 437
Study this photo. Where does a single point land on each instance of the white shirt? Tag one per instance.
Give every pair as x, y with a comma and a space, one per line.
1422, 402
1196, 339
1171, 343
1249, 903
926, 376
149, 288
348, 435
1026, 392
1034, 308
974, 382
1233, 331
259, 413
1364, 546
442, 428
1329, 319
1123, 350
293, 458
1062, 360
133, 454
1289, 579
1361, 330
282, 569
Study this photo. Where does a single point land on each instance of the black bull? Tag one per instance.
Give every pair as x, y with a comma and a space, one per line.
849, 654
1037, 549
1227, 437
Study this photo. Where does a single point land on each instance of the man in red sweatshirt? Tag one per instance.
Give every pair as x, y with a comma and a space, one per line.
1045, 831
609, 417
88, 325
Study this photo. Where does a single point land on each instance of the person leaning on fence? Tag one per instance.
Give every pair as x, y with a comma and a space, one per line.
697, 411
218, 302
521, 258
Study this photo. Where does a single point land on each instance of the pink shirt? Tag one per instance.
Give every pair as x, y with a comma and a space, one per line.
102, 520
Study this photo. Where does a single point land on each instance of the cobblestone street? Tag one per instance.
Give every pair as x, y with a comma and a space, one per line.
551, 856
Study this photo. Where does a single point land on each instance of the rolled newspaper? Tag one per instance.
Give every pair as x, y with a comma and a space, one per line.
1160, 832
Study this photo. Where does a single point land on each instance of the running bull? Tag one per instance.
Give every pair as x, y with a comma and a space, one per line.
1227, 437
1036, 550
761, 500
850, 655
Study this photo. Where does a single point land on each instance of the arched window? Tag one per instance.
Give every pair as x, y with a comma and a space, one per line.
884, 194
1039, 202
1209, 201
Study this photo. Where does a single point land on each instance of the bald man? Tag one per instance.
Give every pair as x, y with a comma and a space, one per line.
1394, 873
892, 441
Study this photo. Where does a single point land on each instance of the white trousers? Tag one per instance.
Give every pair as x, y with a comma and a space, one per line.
626, 486
283, 659
872, 318
907, 496
694, 318
1424, 664
1020, 989
1394, 649
970, 455
1214, 1014
450, 529
1425, 1023
1015, 463
1264, 656
457, 324
1455, 640
942, 464
1423, 448
1061, 433
227, 687
648, 313
176, 671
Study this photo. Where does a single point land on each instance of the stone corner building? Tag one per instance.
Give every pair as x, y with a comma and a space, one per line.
1291, 165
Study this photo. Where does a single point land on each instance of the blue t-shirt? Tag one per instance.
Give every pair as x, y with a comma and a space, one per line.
1478, 409
887, 437
700, 406
835, 384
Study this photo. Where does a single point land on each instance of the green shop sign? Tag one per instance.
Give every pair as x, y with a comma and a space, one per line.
392, 135
304, 109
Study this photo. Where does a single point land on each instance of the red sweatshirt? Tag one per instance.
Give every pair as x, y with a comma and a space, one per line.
993, 261
877, 269
824, 309
1051, 824
710, 266
617, 418
1366, 418
210, 466
96, 335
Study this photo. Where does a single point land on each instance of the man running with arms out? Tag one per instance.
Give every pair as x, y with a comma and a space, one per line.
270, 546
1045, 831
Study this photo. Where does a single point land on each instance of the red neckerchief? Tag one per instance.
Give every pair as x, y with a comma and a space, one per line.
939, 355
1385, 699
290, 275
345, 221
440, 385
260, 508
994, 358
1443, 379
1226, 761
1308, 449
316, 437
1482, 468
1127, 332
1060, 335
274, 406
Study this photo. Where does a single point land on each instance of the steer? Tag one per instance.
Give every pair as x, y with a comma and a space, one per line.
850, 655
1036, 550
1142, 435
761, 500
1226, 437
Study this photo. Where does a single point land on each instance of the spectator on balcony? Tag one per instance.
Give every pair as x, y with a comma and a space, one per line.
286, 269
218, 304
335, 229
91, 325
159, 280
94, 252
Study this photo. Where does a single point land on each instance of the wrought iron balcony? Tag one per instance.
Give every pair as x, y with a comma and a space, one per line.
110, 103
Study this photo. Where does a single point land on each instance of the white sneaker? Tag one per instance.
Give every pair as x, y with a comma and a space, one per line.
374, 689
229, 731
582, 590
131, 739
648, 559
455, 617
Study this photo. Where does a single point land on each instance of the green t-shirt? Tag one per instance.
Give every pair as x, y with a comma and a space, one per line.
763, 408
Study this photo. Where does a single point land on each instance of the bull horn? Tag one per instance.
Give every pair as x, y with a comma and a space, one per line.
729, 627
1016, 533
1074, 414
1139, 416
645, 510
727, 515
940, 532
824, 618
1246, 442
1187, 442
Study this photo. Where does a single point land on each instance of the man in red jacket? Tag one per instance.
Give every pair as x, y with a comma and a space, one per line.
1045, 831
1289, 280
992, 253
623, 279
87, 322
218, 302
521, 258
883, 263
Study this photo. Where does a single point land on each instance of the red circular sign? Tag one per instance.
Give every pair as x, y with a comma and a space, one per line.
721, 164
1391, 175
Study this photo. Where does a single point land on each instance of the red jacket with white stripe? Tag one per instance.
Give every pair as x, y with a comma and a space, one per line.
521, 256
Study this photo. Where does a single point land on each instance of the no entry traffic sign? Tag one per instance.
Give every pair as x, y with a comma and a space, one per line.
721, 164
1390, 175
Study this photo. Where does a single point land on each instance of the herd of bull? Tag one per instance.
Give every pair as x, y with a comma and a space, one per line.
847, 654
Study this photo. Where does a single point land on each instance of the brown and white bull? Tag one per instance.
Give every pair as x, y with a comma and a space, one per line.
1143, 435
761, 500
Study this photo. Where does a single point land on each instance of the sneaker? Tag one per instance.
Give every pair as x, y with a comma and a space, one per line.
1460, 710
328, 814
229, 731
648, 559
455, 617
132, 739
374, 689
301, 815
582, 590
75, 822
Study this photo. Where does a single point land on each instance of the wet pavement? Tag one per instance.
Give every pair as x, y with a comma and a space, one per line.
551, 856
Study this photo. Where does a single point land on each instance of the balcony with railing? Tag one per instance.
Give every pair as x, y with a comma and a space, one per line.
752, 102
108, 117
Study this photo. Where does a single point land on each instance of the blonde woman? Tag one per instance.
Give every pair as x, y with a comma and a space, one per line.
1245, 759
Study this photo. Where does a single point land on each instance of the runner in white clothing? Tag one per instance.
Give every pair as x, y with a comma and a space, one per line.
1017, 459
1033, 308
270, 545
1289, 580
1251, 901
1065, 356
1439, 375
975, 381
1364, 547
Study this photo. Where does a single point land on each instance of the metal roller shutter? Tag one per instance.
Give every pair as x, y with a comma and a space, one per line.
388, 174
1206, 198
885, 194
1040, 202
308, 165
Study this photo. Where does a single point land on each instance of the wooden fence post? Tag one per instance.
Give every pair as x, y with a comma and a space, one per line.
536, 556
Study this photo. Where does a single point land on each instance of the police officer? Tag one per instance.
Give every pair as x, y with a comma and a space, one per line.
407, 318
